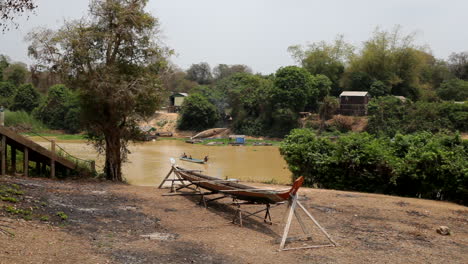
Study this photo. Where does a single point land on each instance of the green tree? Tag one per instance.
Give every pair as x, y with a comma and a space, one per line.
197, 113
200, 73
324, 58
223, 70
4, 63
15, 73
26, 98
454, 89
114, 59
378, 88
294, 88
7, 90
458, 65
60, 109
392, 58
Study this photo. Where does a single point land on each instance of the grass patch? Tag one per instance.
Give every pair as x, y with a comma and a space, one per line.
57, 136
62, 215
23, 119
8, 199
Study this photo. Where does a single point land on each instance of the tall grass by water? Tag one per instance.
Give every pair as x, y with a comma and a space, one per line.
23, 119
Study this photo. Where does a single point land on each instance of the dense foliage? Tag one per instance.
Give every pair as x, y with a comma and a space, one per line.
26, 98
60, 109
197, 113
423, 165
389, 115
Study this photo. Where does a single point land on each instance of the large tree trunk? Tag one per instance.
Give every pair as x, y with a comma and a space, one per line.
113, 167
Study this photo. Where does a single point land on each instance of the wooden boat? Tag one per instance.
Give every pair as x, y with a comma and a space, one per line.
164, 134
239, 191
192, 160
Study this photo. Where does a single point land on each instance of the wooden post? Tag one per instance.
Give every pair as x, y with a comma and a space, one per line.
13, 160
93, 166
3, 157
2, 116
38, 168
43, 168
52, 160
26, 162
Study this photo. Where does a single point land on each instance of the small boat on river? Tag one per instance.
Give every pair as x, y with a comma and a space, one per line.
192, 160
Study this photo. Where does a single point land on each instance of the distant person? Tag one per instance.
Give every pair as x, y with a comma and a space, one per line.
190, 157
206, 159
184, 155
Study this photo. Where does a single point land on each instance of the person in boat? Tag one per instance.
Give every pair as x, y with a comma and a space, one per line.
206, 159
184, 155
190, 157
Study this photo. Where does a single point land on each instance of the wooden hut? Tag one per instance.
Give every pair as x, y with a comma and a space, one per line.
354, 103
175, 102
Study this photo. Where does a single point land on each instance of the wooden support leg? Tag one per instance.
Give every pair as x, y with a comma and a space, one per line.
202, 197
165, 178
267, 215
52, 160
13, 160
317, 224
291, 208
26, 162
3, 149
38, 168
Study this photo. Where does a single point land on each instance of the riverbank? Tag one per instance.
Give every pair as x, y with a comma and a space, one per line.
107, 223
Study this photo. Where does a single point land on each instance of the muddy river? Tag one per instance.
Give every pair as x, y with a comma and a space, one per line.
149, 162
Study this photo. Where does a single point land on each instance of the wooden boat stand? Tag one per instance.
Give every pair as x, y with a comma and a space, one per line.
183, 184
293, 206
238, 216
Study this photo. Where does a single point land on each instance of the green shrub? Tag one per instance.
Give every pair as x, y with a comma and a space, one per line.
197, 113
60, 109
26, 98
423, 165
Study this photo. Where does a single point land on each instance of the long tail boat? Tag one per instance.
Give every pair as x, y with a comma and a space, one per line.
251, 195
240, 191
192, 160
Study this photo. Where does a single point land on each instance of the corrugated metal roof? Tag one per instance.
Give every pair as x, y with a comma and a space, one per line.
354, 93
183, 94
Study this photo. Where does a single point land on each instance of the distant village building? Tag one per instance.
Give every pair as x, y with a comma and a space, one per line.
175, 102
354, 103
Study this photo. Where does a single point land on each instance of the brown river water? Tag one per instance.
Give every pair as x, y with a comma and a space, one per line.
149, 162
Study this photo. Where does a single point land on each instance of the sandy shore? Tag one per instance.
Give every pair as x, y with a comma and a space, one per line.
111, 223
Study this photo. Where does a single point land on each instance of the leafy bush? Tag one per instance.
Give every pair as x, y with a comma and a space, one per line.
454, 89
26, 98
390, 115
423, 165
60, 109
197, 113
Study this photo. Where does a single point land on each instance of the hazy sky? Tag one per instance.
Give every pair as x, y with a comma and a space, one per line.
258, 32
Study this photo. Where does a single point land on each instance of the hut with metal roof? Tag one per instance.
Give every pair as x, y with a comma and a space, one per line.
354, 103
175, 101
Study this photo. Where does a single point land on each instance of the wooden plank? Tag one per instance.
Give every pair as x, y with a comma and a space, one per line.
13, 160
317, 224
3, 155
292, 207
52, 159
26, 162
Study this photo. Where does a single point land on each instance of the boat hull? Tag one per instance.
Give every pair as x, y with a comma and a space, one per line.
193, 160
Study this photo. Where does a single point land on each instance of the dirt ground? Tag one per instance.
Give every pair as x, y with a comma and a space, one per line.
110, 223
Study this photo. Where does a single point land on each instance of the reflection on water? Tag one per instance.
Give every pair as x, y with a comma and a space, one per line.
149, 161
